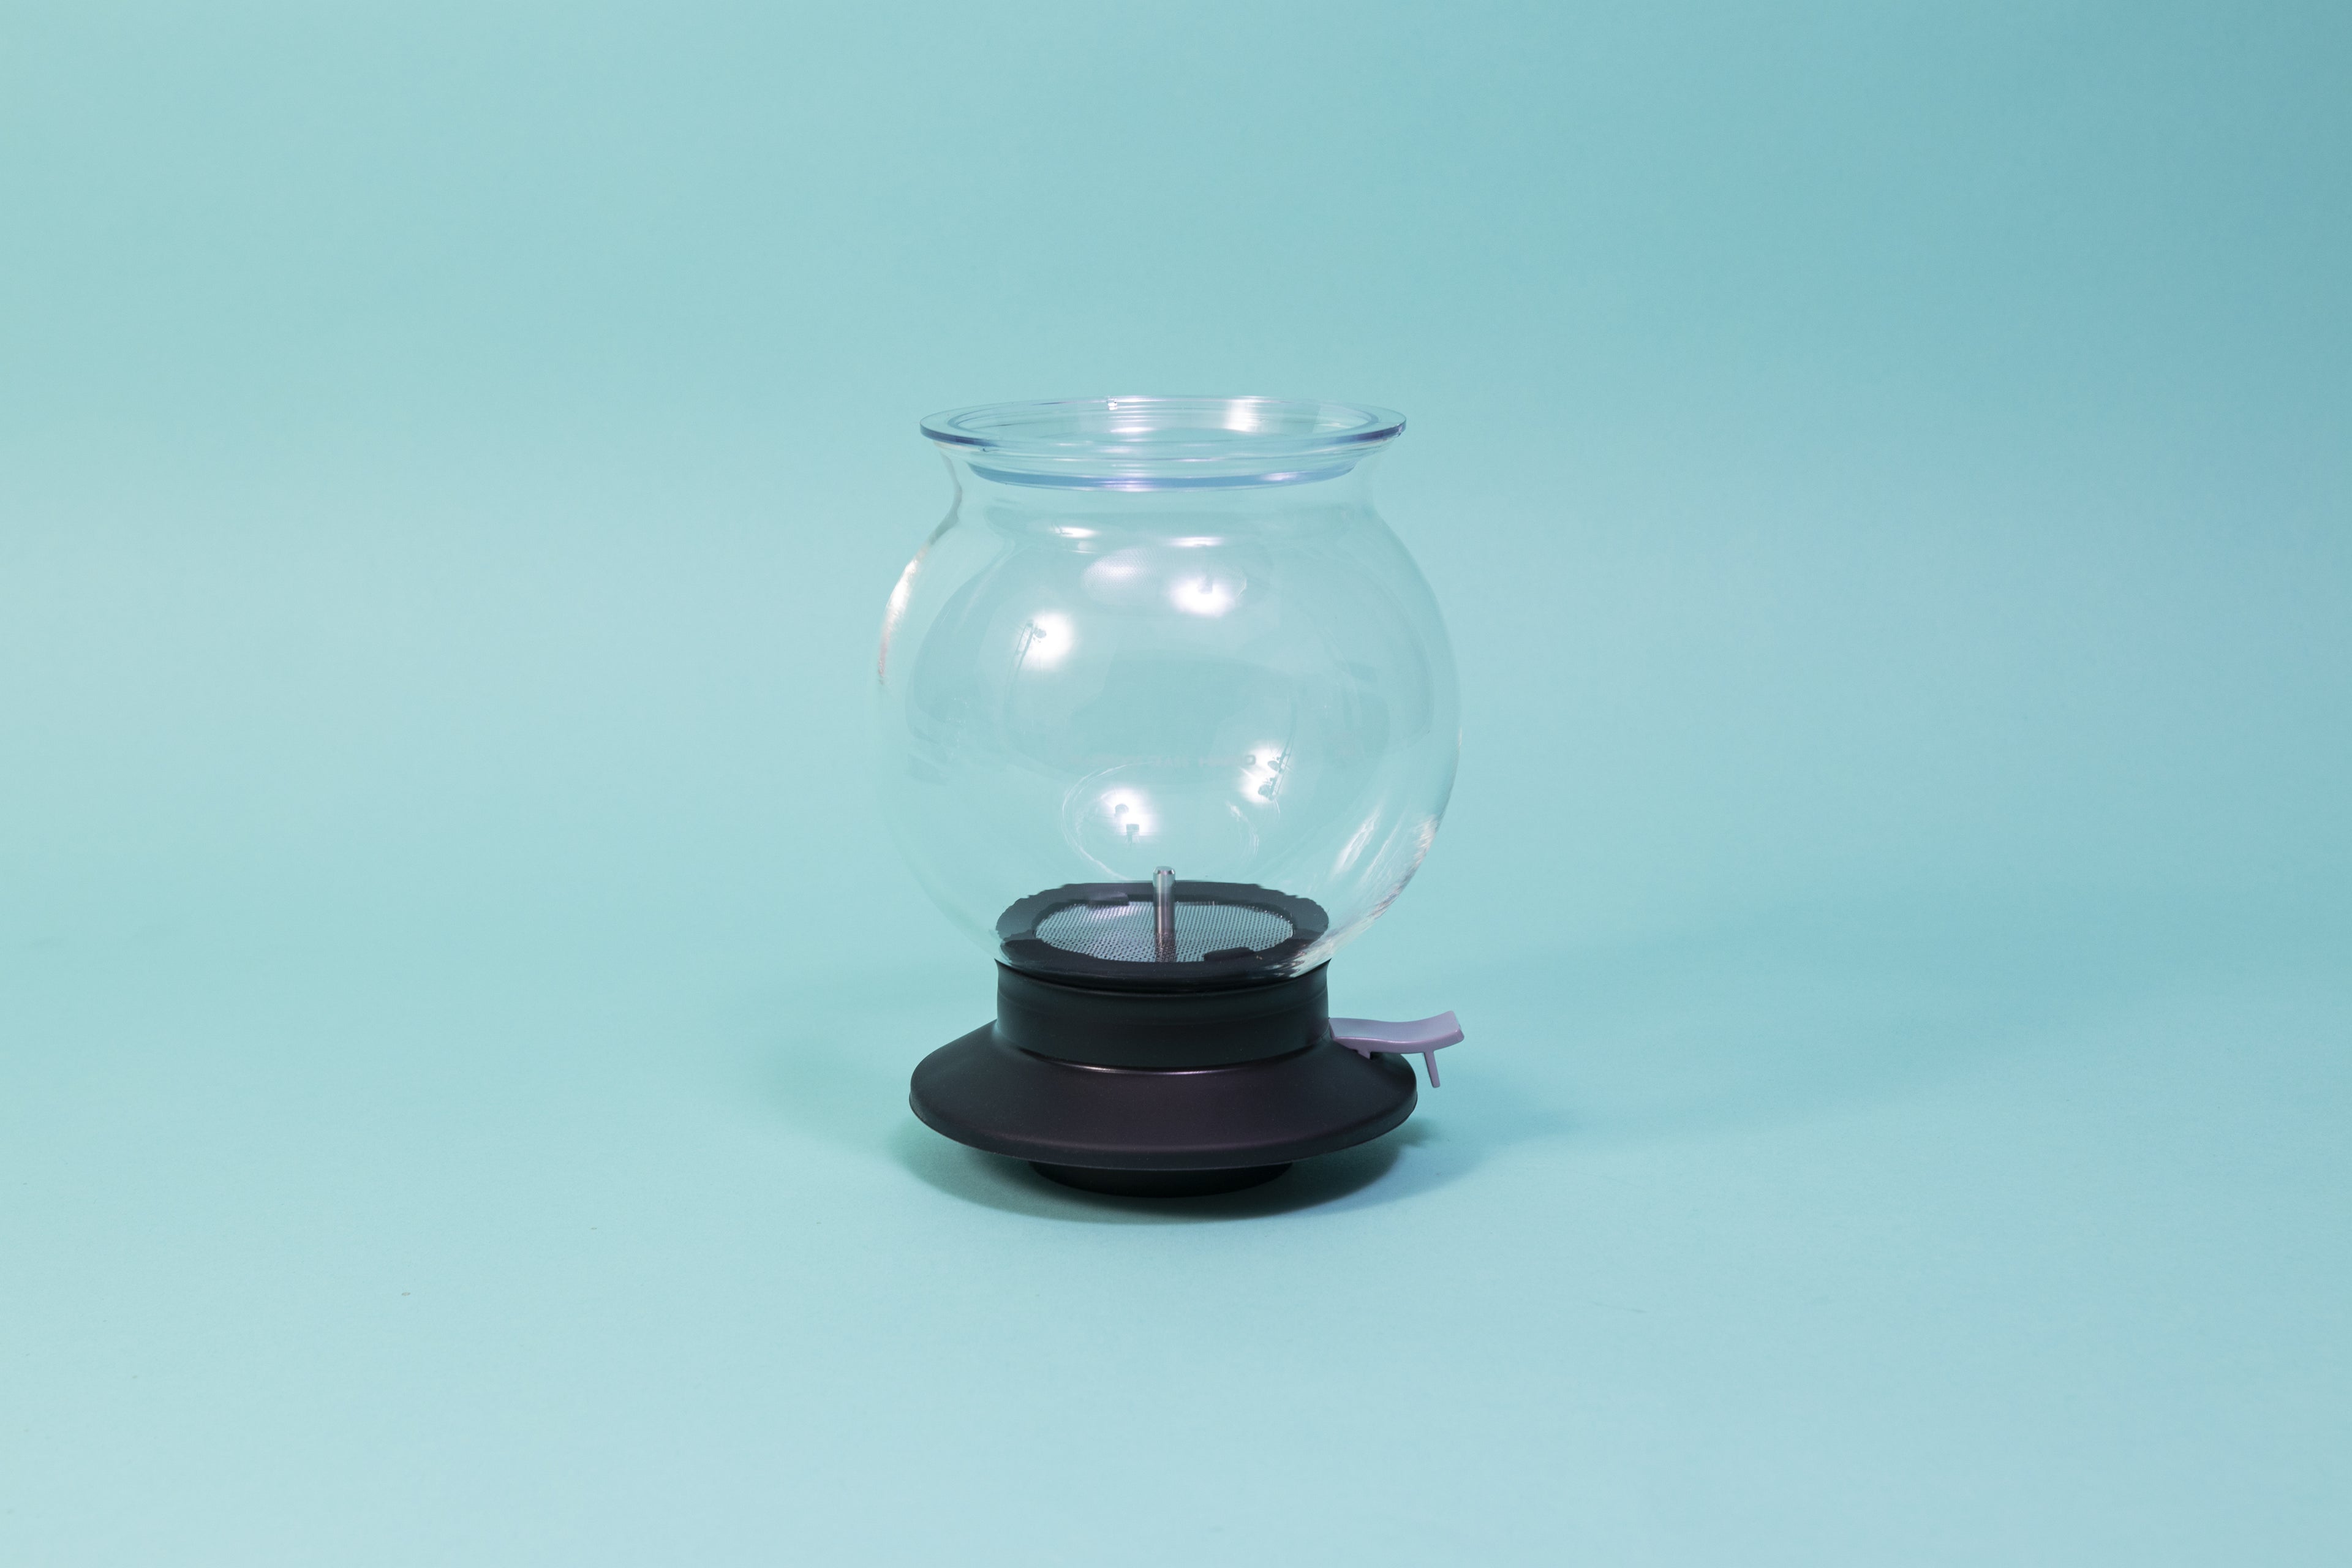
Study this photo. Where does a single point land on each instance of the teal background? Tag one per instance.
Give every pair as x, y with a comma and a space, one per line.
1886, 471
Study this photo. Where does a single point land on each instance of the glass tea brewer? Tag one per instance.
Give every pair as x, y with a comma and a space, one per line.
1167, 717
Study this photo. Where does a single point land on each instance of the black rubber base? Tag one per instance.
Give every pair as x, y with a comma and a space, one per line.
1099, 1091
1158, 1183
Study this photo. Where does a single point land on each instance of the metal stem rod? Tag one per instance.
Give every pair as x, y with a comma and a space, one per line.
1163, 914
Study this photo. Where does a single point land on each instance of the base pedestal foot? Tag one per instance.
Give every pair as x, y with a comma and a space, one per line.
1158, 1183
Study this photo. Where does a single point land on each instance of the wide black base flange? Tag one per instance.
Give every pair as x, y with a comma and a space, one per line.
1244, 1116
1163, 1115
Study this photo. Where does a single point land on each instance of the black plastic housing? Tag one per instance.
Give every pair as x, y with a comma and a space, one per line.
1158, 1093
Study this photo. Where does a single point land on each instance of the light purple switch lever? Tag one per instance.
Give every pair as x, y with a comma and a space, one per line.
1424, 1038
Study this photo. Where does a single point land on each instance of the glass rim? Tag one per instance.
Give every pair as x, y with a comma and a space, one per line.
1220, 439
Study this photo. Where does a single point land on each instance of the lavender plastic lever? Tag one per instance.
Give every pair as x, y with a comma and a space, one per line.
1422, 1038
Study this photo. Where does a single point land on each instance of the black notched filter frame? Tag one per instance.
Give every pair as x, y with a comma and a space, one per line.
1025, 950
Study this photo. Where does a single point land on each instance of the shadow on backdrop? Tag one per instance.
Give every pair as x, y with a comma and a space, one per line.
1809, 1010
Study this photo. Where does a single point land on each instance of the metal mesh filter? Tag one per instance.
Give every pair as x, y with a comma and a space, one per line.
1122, 933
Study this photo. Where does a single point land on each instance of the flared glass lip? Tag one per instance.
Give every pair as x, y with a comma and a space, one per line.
1163, 443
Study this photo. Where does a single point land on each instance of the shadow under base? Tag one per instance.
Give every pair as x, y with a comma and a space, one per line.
1158, 1183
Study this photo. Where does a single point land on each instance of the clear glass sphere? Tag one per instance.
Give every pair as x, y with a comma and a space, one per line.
1163, 700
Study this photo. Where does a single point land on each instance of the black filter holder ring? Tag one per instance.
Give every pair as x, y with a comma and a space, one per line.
1099, 1027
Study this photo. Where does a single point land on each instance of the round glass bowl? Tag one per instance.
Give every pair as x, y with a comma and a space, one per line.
1163, 702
